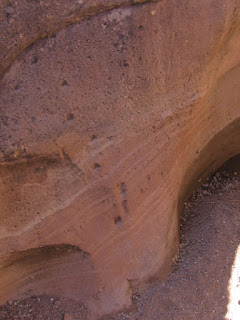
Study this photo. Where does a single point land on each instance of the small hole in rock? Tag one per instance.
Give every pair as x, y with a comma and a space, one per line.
70, 116
64, 83
96, 166
93, 137
34, 60
117, 220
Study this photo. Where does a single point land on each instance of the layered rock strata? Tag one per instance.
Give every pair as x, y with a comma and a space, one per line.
112, 112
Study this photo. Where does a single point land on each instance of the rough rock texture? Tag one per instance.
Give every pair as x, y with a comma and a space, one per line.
111, 112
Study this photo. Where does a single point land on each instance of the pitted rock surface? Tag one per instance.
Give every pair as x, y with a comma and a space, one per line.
112, 112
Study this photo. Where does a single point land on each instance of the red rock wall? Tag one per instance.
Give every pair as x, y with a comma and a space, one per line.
111, 113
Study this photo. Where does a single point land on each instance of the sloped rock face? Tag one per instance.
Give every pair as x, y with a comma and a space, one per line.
111, 113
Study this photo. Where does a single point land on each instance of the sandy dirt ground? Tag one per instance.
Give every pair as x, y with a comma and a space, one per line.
205, 279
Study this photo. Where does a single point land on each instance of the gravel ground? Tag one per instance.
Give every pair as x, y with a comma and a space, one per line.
43, 308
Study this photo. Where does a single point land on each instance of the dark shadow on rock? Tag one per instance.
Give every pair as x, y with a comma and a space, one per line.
62, 268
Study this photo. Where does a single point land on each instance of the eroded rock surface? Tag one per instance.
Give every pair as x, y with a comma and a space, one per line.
111, 112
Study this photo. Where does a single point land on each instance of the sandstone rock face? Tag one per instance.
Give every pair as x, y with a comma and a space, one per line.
111, 113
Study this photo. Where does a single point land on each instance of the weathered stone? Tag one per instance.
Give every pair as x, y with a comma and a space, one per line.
106, 126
